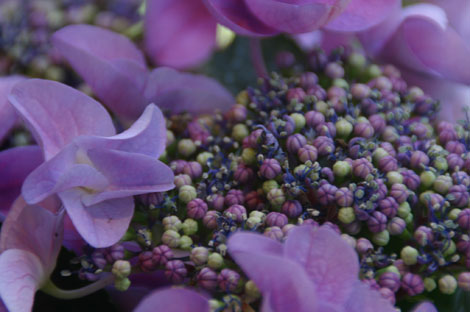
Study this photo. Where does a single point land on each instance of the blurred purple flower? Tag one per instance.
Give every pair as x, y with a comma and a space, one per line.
306, 273
8, 115
116, 71
174, 300
30, 242
93, 171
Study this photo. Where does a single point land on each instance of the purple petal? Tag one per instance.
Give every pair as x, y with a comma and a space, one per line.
365, 299
362, 14
235, 15
425, 307
327, 40
317, 251
295, 16
179, 33
34, 229
15, 165
8, 115
182, 92
174, 300
253, 243
109, 62
102, 224
56, 113
72, 239
21, 274
457, 12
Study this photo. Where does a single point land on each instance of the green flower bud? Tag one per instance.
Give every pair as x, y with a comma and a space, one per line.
381, 238
257, 214
378, 154
340, 82
299, 121
343, 128
249, 156
373, 71
189, 227
121, 269
239, 132
170, 137
442, 184
450, 250
269, 185
182, 179
427, 179
362, 119
357, 60
346, 215
392, 268
171, 238
404, 210
243, 98
252, 291
276, 197
203, 157
394, 177
425, 197
321, 107
215, 261
454, 213
199, 255
409, 255
252, 222
187, 193
216, 305
186, 147
440, 163
172, 223
429, 284
447, 284
300, 169
409, 218
342, 169
122, 284
415, 93
185, 242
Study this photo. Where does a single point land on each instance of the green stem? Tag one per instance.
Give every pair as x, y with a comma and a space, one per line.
54, 291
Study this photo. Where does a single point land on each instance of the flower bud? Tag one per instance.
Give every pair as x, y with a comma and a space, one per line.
249, 156
423, 235
243, 174
274, 233
292, 208
343, 128
172, 223
295, 142
412, 284
185, 242
236, 212
447, 284
299, 121
324, 145
121, 269
377, 222
362, 168
458, 195
341, 169
346, 215
99, 259
162, 254
187, 193
199, 255
276, 219
409, 255
210, 220
122, 284
307, 153
146, 261
276, 197
234, 197
190, 226
388, 163
196, 208
442, 184
175, 271
216, 201
270, 168
429, 284
378, 154
464, 281
399, 192
388, 206
364, 130
207, 279
381, 238
171, 238
427, 179
463, 220
228, 280
182, 179
396, 226
363, 245
387, 294
115, 252
251, 291
326, 193
391, 280
215, 261
239, 132
186, 147
204, 157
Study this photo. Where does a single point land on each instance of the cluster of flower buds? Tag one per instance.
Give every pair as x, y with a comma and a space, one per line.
348, 145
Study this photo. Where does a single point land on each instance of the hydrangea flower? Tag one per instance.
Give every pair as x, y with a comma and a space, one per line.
116, 71
174, 300
93, 171
8, 115
315, 270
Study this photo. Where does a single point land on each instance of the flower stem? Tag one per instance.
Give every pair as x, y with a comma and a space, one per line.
54, 291
257, 58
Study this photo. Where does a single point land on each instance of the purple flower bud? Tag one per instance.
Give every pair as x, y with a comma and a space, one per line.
196, 208
147, 262
276, 219
332, 226
463, 219
193, 169
114, 253
344, 197
388, 163
207, 279
308, 152
364, 130
308, 80
154, 198
216, 201
411, 179
418, 159
327, 129
461, 177
270, 168
274, 232
237, 113
98, 258
378, 123
372, 283
324, 145
197, 132
326, 193
334, 70
396, 226
390, 280
162, 254
399, 192
455, 147
363, 245
254, 201
446, 136
388, 206
252, 139
377, 222
318, 92
243, 174
463, 245
210, 219
175, 271
388, 294
327, 174
314, 118
420, 130
445, 125
423, 235
361, 214
458, 195
454, 161
292, 208
177, 166
463, 281
228, 280
360, 91
238, 212
234, 197
382, 189
362, 168
88, 276
295, 94
412, 284
295, 142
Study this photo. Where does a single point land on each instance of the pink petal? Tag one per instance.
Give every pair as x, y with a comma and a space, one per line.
425, 307
15, 165
179, 33
34, 229
235, 15
103, 224
128, 174
8, 115
21, 274
109, 62
182, 92
362, 14
365, 299
317, 251
174, 300
56, 113
295, 16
